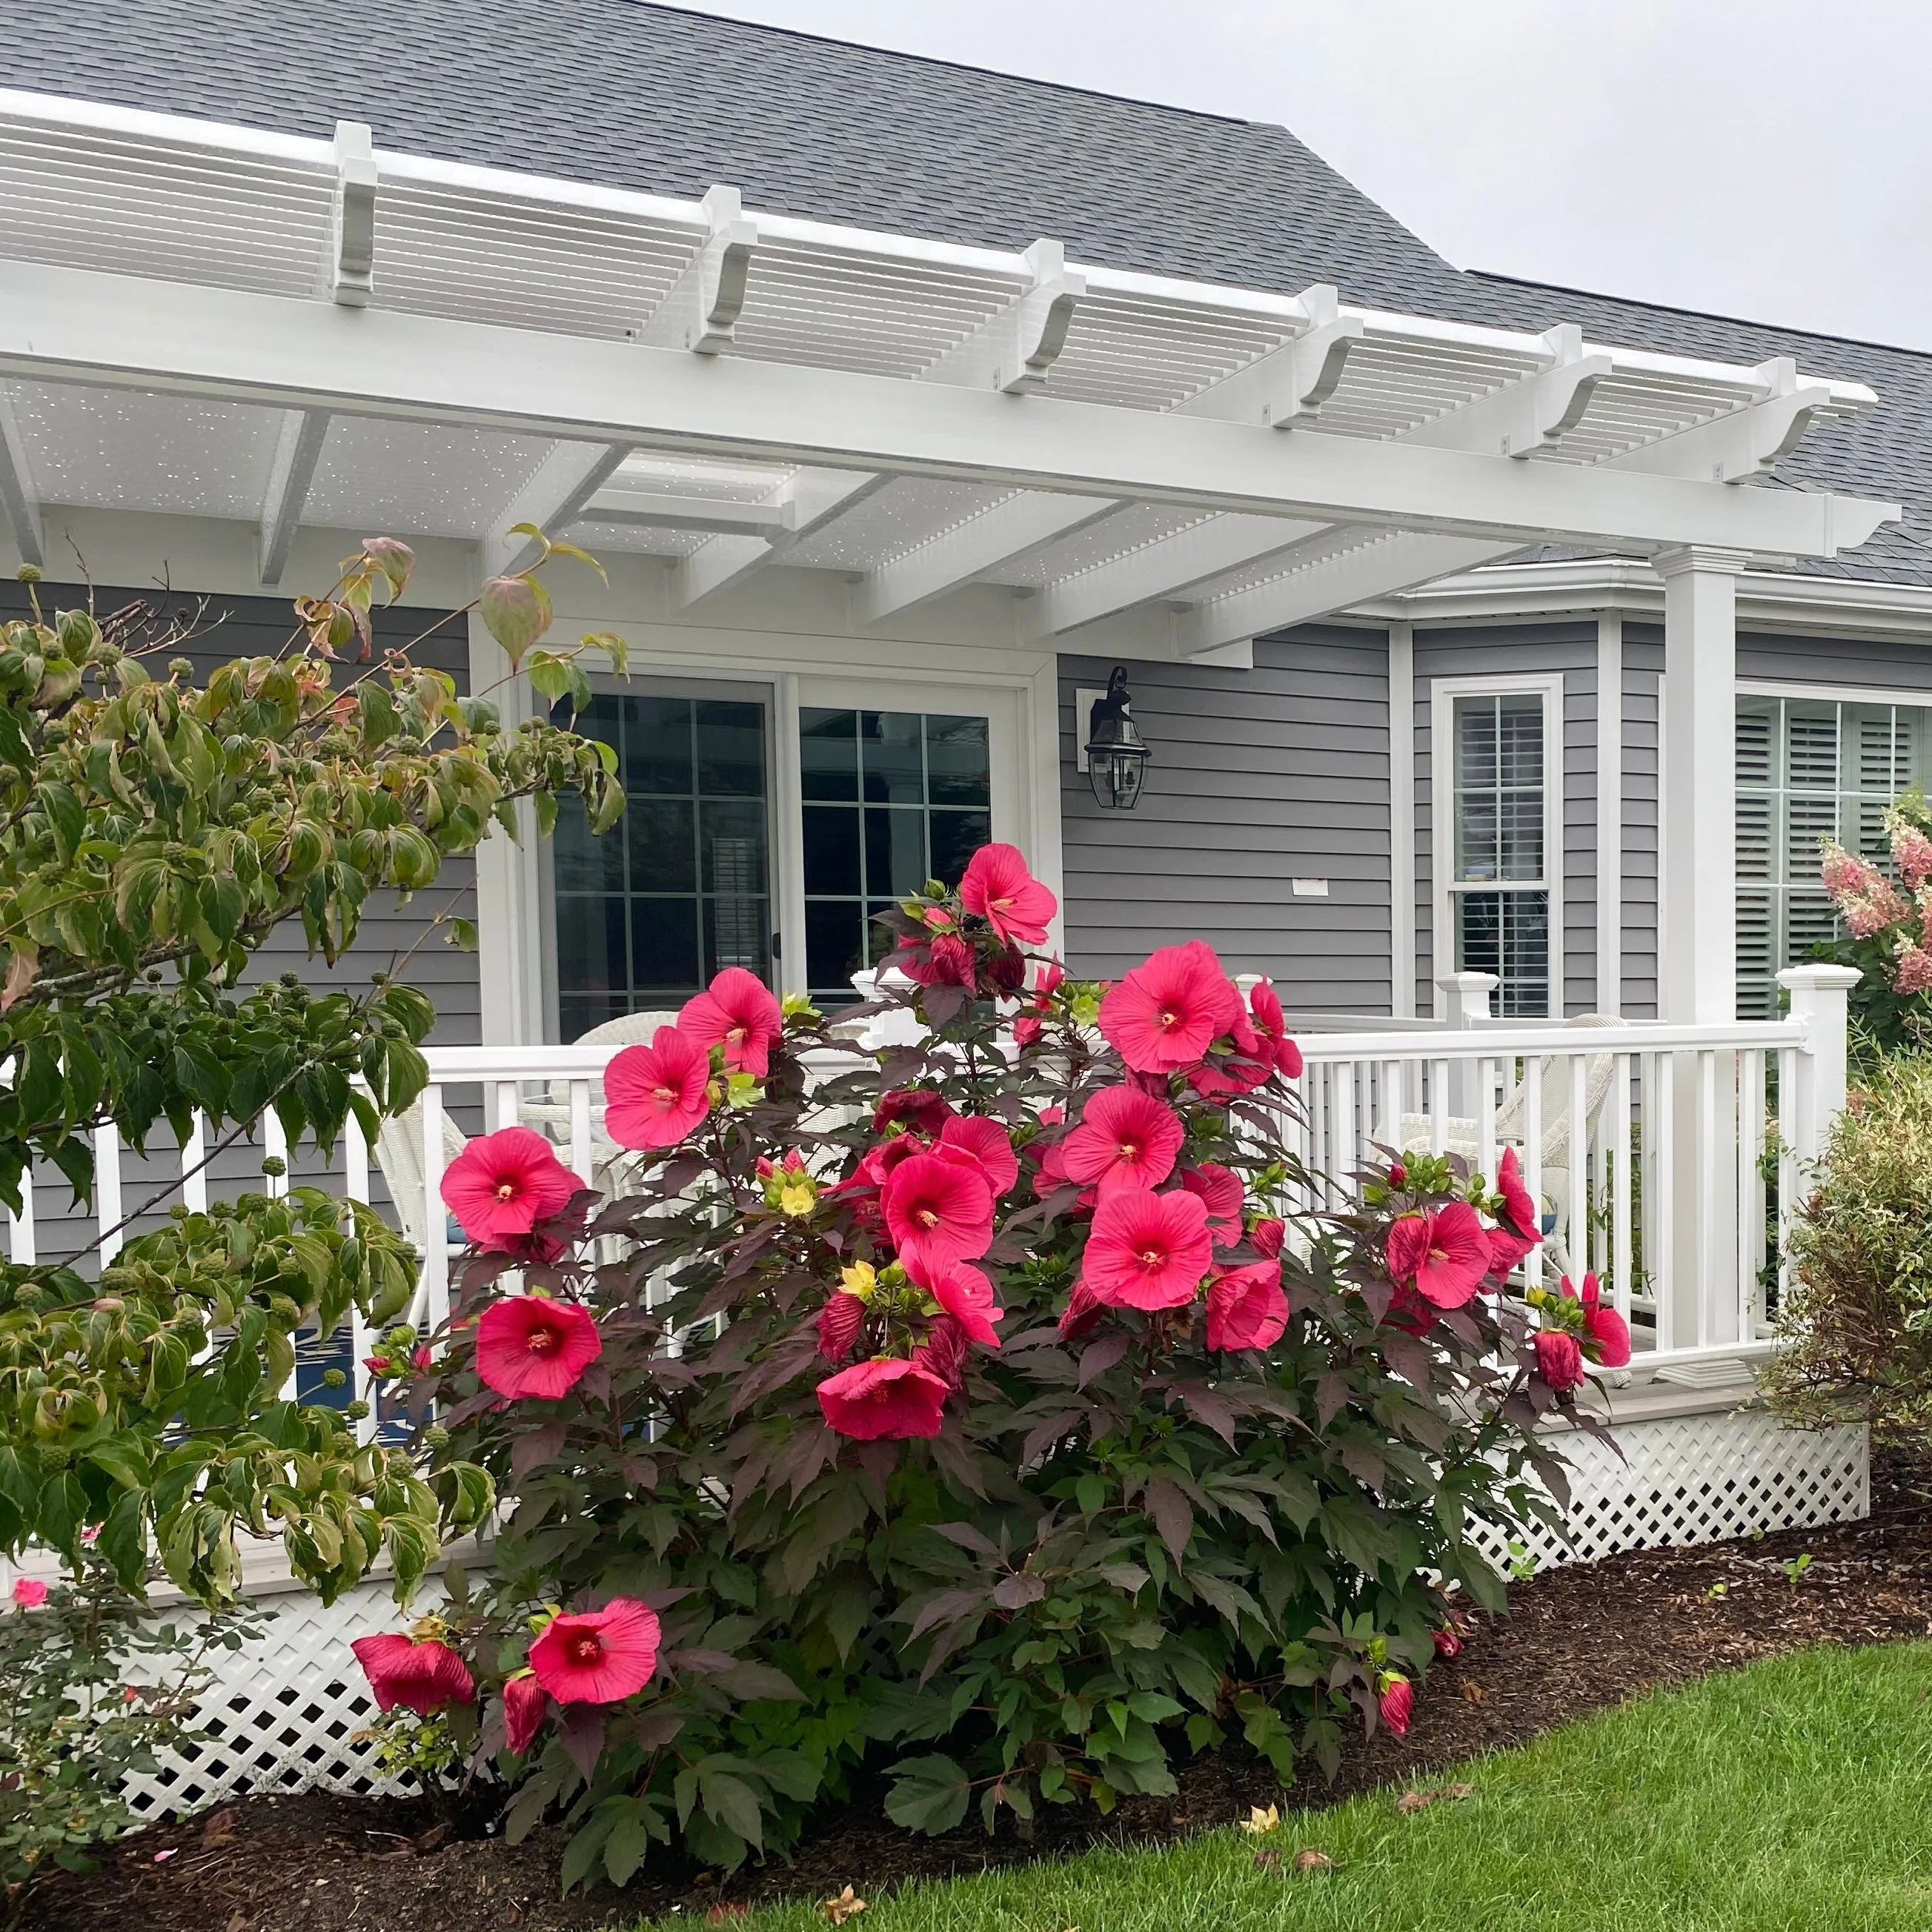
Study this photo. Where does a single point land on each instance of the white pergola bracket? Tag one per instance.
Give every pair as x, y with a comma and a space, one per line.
18, 497
1313, 365
700, 312
352, 229
299, 446
1039, 321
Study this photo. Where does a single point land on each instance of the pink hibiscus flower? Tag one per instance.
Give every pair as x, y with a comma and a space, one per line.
987, 1145
1396, 1700
1222, 1189
528, 1345
885, 1399
598, 1657
1167, 1013
1246, 1308
657, 1093
839, 1321
919, 1107
29, 1592
1603, 1326
1518, 1203
937, 1211
736, 1012
501, 1185
966, 1295
526, 1704
1559, 1360
1126, 1138
1147, 1251
947, 961
1445, 1254
420, 1677
998, 887
1264, 1007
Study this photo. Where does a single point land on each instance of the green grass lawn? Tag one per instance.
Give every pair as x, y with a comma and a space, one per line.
1796, 1794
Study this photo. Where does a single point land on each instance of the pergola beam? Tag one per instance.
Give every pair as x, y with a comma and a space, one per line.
808, 503
299, 446
78, 325
553, 499
654, 510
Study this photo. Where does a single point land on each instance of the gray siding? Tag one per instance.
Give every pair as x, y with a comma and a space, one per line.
1885, 663
234, 627
1643, 667
1568, 649
1259, 778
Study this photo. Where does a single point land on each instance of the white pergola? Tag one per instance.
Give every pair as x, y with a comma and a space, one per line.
1152, 467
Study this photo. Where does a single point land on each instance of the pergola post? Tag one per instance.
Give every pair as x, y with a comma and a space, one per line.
1697, 918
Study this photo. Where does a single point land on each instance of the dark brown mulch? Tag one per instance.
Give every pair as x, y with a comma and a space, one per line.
1577, 1640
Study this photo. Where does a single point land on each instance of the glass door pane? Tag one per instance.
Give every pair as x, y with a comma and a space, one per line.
680, 888
891, 798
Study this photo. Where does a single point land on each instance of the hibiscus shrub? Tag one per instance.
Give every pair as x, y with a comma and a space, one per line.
995, 1411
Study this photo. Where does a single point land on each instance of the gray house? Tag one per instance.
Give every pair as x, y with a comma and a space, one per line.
1421, 776
1490, 641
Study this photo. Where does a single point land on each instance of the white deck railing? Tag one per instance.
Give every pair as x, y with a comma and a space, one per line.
1667, 1158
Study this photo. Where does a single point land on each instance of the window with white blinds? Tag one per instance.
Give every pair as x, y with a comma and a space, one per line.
1810, 769
1499, 888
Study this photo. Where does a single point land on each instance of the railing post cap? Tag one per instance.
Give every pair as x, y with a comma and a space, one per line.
1819, 978
1469, 982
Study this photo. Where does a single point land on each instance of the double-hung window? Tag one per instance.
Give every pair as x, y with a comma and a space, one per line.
1497, 778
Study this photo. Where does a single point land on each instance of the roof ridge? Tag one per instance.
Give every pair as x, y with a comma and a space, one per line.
1701, 314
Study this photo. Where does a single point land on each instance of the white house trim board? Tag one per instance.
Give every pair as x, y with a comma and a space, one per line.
1401, 821
1442, 695
1609, 813
1833, 694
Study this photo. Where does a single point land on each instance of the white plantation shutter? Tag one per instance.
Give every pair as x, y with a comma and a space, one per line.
1808, 770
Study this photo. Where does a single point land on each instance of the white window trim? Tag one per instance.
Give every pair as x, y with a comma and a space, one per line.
1443, 693
1833, 694
518, 965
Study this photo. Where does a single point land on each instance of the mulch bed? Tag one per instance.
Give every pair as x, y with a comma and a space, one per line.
1577, 1640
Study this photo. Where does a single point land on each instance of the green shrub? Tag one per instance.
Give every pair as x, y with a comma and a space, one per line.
1857, 1319
96, 1688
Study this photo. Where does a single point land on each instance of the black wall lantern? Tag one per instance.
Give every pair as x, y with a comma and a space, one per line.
1117, 758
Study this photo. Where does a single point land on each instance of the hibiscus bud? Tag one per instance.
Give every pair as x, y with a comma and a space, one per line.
1007, 969
839, 1321
1265, 1236
1083, 1309
765, 1169
945, 1350
1448, 1642
420, 1359
1559, 1361
1396, 1699
937, 918
377, 1365
1398, 1175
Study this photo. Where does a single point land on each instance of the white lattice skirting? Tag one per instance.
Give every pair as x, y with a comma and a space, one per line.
1685, 1479
285, 1711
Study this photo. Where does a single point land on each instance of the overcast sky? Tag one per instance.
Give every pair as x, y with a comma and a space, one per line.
1771, 160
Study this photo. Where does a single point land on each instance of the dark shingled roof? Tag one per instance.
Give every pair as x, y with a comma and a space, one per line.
653, 97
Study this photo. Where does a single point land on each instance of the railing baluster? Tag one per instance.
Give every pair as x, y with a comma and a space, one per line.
1576, 1205
1750, 1189
1622, 1262
194, 1174
1659, 1187
361, 1336
21, 1247
1486, 1082
1532, 1159
1438, 1106
435, 1291
1706, 1287
583, 1156
107, 1208
1788, 1176
509, 1105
